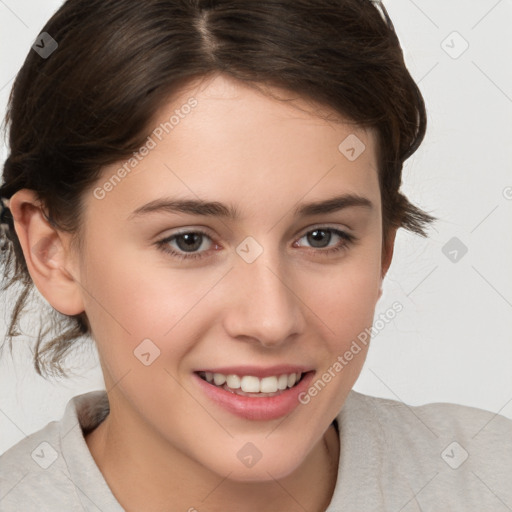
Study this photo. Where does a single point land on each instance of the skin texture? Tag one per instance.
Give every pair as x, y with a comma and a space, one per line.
165, 445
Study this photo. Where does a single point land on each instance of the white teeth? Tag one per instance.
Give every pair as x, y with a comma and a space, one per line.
219, 379
268, 385
233, 381
282, 382
251, 384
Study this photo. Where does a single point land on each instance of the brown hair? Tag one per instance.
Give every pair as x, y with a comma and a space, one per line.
90, 103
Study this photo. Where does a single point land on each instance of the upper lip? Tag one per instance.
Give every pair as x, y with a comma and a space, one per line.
258, 371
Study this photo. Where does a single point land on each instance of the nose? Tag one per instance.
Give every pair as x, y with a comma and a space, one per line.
264, 306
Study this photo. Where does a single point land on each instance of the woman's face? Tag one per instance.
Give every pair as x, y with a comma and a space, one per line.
175, 293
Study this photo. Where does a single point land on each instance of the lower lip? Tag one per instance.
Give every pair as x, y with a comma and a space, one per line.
257, 408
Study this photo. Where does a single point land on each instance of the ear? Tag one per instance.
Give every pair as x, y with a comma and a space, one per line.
387, 255
47, 253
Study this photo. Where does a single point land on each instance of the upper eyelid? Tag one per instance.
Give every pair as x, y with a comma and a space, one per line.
318, 225
301, 234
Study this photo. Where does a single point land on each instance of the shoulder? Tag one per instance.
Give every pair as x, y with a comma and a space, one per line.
434, 418
459, 455
40, 471
33, 468
421, 427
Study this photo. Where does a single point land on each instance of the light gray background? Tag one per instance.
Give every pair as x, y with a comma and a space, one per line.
453, 340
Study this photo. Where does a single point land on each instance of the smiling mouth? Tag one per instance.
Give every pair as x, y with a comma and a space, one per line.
249, 385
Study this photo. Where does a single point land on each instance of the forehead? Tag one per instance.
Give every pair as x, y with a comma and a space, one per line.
222, 139
228, 109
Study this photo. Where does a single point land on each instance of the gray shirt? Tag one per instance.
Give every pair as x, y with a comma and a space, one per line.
393, 457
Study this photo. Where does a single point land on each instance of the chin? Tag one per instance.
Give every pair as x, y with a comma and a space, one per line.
261, 474
241, 468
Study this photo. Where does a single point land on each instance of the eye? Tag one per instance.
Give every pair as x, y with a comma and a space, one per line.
187, 244
320, 237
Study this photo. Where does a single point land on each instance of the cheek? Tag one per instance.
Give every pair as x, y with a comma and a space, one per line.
344, 298
344, 304
129, 300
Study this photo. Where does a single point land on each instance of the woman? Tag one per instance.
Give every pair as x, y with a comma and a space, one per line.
210, 190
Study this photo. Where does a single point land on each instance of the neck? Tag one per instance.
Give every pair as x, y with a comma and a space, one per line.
141, 479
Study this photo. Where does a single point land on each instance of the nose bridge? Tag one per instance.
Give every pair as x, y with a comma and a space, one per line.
263, 306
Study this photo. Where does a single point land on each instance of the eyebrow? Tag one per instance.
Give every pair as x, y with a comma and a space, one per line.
216, 209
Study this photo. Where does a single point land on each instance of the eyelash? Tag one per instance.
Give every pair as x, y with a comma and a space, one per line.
163, 245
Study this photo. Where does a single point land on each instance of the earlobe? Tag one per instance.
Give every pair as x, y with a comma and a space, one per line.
46, 252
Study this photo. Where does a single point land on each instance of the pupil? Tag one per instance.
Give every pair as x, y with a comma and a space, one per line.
317, 235
191, 241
